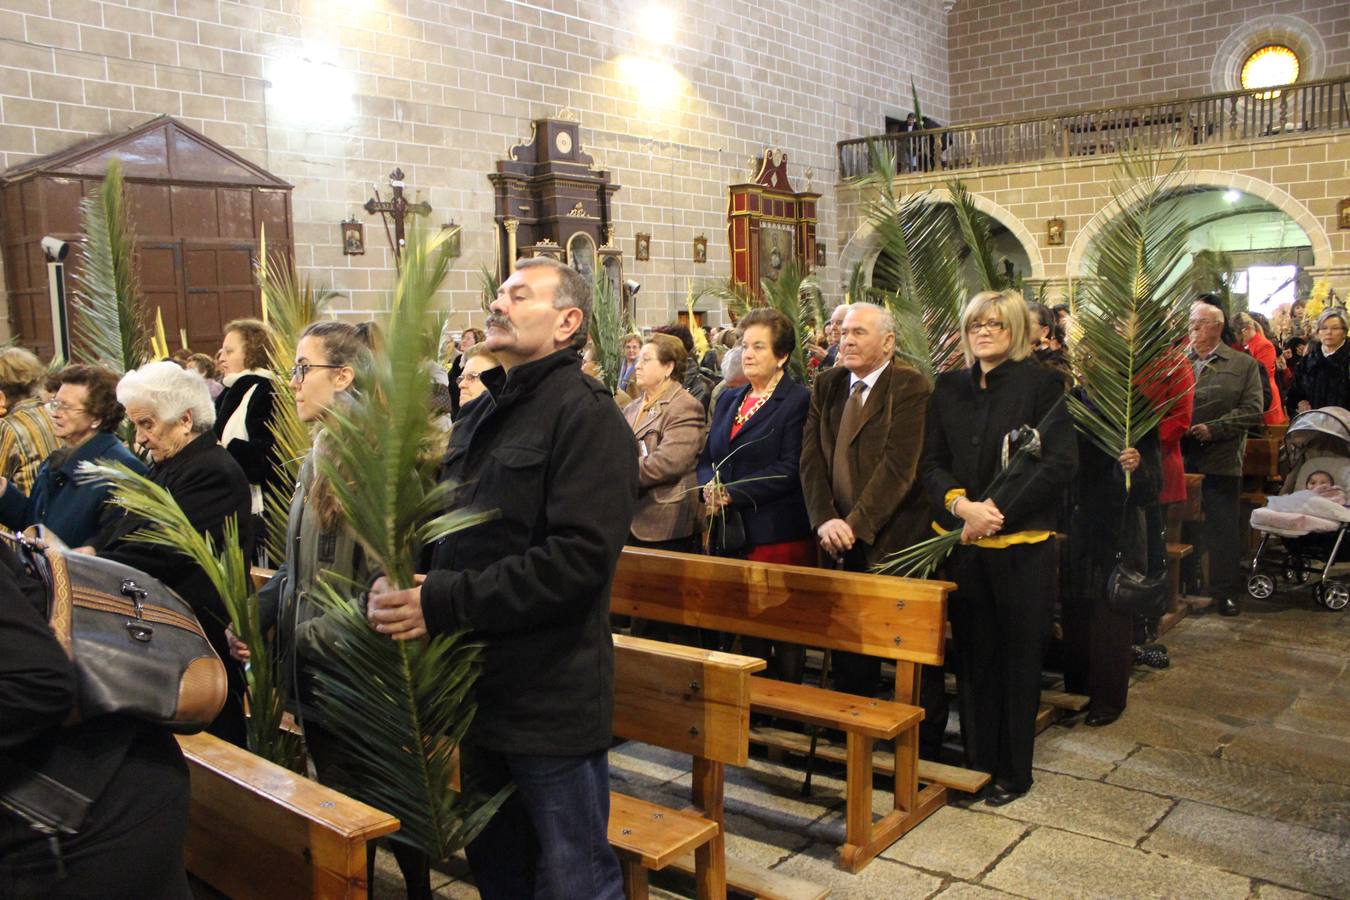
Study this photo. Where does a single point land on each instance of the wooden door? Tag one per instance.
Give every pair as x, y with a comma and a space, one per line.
219, 286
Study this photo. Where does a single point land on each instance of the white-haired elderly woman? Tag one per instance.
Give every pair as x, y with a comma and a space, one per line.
1005, 566
173, 414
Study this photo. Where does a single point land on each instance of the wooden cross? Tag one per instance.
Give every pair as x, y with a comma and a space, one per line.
397, 208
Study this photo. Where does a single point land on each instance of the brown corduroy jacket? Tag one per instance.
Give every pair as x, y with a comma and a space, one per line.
890, 512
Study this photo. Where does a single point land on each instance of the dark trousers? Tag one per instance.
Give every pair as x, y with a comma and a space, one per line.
1097, 658
549, 840
1219, 497
1000, 615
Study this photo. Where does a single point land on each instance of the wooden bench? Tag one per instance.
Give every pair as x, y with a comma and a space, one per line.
691, 701
257, 830
899, 619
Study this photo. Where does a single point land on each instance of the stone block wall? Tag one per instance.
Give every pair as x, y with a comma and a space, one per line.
334, 95
1013, 58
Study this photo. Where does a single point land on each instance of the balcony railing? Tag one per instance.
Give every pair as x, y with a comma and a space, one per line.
1315, 106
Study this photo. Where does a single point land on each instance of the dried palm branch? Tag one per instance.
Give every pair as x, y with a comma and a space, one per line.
1132, 305
389, 703
110, 323
918, 269
289, 306
229, 573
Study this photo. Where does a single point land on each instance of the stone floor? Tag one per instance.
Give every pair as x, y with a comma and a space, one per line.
1228, 776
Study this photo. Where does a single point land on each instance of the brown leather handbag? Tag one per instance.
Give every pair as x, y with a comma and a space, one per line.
138, 648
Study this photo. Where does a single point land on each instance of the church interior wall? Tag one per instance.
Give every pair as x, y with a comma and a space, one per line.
673, 98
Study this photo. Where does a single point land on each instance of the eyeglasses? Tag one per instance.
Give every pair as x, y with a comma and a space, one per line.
57, 406
993, 326
298, 373
468, 378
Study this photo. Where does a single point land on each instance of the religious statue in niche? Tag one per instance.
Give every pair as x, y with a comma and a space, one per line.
701, 249
775, 248
353, 238
644, 247
396, 209
581, 255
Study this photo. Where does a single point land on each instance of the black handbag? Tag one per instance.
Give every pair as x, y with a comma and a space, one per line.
728, 531
138, 649
1131, 593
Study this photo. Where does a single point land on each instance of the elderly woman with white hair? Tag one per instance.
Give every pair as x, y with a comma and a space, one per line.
173, 414
1005, 566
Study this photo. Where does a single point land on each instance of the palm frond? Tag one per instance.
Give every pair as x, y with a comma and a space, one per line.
796, 295
488, 285
918, 269
1132, 305
857, 284
110, 324
289, 305
607, 331
229, 574
388, 703
975, 232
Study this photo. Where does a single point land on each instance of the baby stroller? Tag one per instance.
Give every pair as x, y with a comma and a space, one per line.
1303, 533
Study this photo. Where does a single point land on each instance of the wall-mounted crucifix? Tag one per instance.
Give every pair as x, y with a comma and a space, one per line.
397, 208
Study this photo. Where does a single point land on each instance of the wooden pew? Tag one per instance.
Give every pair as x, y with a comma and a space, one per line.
257, 830
691, 701
903, 620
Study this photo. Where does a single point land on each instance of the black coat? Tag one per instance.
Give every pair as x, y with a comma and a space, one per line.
964, 438
768, 448
548, 450
104, 760
1322, 380
257, 455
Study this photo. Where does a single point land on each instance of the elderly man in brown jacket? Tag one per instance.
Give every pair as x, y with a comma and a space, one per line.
860, 454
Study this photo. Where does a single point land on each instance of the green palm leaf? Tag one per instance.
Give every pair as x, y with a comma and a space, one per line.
796, 294
290, 305
229, 574
918, 269
607, 331
975, 232
110, 323
389, 704
1132, 305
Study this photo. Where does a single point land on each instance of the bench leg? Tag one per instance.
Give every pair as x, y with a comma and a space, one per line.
858, 804
634, 878
864, 838
710, 860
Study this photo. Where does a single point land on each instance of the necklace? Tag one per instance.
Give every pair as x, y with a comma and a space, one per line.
743, 417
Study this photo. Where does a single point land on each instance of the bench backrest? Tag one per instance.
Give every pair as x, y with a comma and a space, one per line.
683, 698
876, 615
258, 830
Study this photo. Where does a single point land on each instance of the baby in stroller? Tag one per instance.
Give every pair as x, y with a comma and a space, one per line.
1303, 531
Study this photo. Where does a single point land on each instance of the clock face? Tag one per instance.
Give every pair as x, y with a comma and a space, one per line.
563, 141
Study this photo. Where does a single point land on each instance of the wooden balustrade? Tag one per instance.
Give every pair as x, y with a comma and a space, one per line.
1314, 106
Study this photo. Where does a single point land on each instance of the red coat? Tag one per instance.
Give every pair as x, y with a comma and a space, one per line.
1263, 351
1179, 382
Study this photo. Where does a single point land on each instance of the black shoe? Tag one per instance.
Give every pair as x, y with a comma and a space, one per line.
1098, 718
998, 795
1152, 655
1226, 606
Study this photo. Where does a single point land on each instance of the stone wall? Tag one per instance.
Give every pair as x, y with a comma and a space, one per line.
1304, 177
1027, 57
333, 95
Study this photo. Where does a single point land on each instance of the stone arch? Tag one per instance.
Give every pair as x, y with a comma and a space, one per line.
1277, 197
862, 245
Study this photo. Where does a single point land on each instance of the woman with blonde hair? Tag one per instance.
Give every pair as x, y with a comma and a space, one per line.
978, 417
27, 436
244, 409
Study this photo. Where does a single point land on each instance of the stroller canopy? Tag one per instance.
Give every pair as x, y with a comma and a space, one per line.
1325, 429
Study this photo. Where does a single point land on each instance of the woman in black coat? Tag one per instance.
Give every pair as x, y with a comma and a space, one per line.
172, 411
754, 449
129, 843
1323, 374
1005, 567
244, 411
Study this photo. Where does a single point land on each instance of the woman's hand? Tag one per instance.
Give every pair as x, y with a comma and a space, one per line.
1129, 460
1200, 433
238, 649
983, 519
715, 497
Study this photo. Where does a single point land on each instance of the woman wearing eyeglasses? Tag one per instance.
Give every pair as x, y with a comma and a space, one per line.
473, 363
1323, 374
328, 357
85, 415
1005, 568
26, 435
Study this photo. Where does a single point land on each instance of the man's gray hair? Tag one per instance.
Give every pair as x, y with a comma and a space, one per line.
573, 290
885, 321
169, 390
732, 371
844, 306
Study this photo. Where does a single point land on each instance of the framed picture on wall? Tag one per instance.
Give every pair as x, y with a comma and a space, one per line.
644, 247
820, 253
353, 239
700, 249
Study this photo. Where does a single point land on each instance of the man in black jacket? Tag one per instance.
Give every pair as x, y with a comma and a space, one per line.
551, 454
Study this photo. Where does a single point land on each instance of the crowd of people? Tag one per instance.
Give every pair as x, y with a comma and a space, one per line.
720, 451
